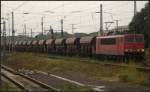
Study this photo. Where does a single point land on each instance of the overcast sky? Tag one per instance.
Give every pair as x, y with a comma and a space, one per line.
80, 13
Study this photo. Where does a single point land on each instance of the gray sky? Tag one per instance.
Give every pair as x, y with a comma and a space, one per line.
80, 13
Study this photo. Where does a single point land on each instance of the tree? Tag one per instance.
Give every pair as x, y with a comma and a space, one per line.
140, 23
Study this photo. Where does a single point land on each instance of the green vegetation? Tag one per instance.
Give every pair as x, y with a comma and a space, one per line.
130, 74
92, 69
8, 87
140, 23
65, 35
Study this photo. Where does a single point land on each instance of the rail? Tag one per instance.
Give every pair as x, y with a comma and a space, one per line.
15, 82
42, 85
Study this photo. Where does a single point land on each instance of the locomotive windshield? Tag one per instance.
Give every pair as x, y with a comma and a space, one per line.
136, 39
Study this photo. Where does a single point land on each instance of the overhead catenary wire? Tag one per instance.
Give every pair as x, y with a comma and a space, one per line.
38, 13
71, 13
34, 18
93, 21
19, 6
117, 6
83, 9
24, 3
50, 10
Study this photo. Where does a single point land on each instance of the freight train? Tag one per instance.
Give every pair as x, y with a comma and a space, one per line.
115, 46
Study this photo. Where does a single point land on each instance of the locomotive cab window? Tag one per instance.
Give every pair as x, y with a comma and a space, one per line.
108, 41
136, 39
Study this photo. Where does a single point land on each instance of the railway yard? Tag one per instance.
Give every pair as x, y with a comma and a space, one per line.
78, 74
72, 46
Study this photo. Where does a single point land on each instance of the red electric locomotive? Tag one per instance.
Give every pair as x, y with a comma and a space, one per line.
128, 45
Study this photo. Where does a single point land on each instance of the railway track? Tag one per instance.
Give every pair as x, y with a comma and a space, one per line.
24, 82
42, 87
27, 89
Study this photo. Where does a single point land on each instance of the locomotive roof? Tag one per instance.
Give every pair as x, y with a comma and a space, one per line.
70, 40
134, 35
41, 42
59, 41
49, 41
86, 39
110, 36
115, 36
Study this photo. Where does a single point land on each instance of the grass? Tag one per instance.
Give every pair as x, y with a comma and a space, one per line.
9, 87
130, 74
66, 86
92, 68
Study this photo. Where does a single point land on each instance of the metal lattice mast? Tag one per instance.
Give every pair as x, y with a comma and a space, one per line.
101, 19
61, 21
13, 32
4, 36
